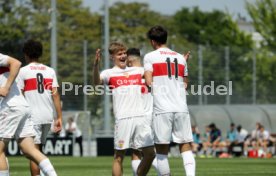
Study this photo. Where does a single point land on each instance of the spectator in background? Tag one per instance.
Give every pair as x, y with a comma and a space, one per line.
205, 139
197, 144
255, 132
241, 135
252, 139
214, 139
72, 129
263, 139
231, 138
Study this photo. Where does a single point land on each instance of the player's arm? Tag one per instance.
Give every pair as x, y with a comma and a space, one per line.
187, 56
96, 71
148, 77
186, 81
57, 104
148, 71
14, 66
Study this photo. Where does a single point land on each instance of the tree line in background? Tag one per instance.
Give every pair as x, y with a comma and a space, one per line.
188, 28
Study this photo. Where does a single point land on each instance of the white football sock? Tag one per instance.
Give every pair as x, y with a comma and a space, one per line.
163, 164
189, 163
154, 164
4, 173
47, 168
134, 165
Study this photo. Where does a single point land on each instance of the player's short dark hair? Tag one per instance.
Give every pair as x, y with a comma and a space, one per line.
133, 52
33, 49
158, 34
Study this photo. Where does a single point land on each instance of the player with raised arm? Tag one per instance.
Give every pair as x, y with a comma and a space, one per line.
39, 85
15, 119
130, 130
134, 60
166, 72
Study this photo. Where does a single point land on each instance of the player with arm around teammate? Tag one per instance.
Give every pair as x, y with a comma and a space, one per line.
15, 119
39, 85
166, 71
129, 131
134, 60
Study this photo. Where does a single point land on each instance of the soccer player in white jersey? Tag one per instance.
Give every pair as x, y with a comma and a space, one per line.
130, 130
166, 72
39, 84
134, 60
15, 119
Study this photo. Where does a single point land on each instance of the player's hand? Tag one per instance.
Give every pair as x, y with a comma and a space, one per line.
97, 57
4, 91
187, 55
58, 126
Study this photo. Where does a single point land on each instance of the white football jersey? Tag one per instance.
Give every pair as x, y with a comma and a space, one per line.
15, 97
148, 99
37, 80
126, 90
168, 70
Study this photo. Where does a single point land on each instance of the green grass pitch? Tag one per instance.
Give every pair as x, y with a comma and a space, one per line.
101, 166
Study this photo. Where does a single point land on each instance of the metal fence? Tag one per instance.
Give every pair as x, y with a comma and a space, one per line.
244, 75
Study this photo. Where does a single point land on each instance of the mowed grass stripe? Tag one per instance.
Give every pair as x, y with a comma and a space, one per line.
101, 166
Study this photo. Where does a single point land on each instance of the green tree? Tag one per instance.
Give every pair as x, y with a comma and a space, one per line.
263, 14
215, 30
12, 28
129, 22
212, 28
75, 24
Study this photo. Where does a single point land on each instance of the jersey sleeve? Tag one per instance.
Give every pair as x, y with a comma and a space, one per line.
148, 63
104, 76
55, 82
20, 79
3, 60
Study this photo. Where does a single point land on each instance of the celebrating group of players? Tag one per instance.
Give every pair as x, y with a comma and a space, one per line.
149, 106
146, 120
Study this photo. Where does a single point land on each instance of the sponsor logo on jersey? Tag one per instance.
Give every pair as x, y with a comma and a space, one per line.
118, 81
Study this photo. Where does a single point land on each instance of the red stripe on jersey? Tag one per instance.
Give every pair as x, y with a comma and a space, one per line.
117, 81
31, 84
4, 70
161, 69
48, 83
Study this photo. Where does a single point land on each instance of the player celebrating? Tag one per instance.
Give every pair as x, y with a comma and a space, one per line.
134, 60
39, 84
130, 128
15, 118
166, 72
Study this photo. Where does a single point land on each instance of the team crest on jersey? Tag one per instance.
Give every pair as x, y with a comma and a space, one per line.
126, 75
121, 143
